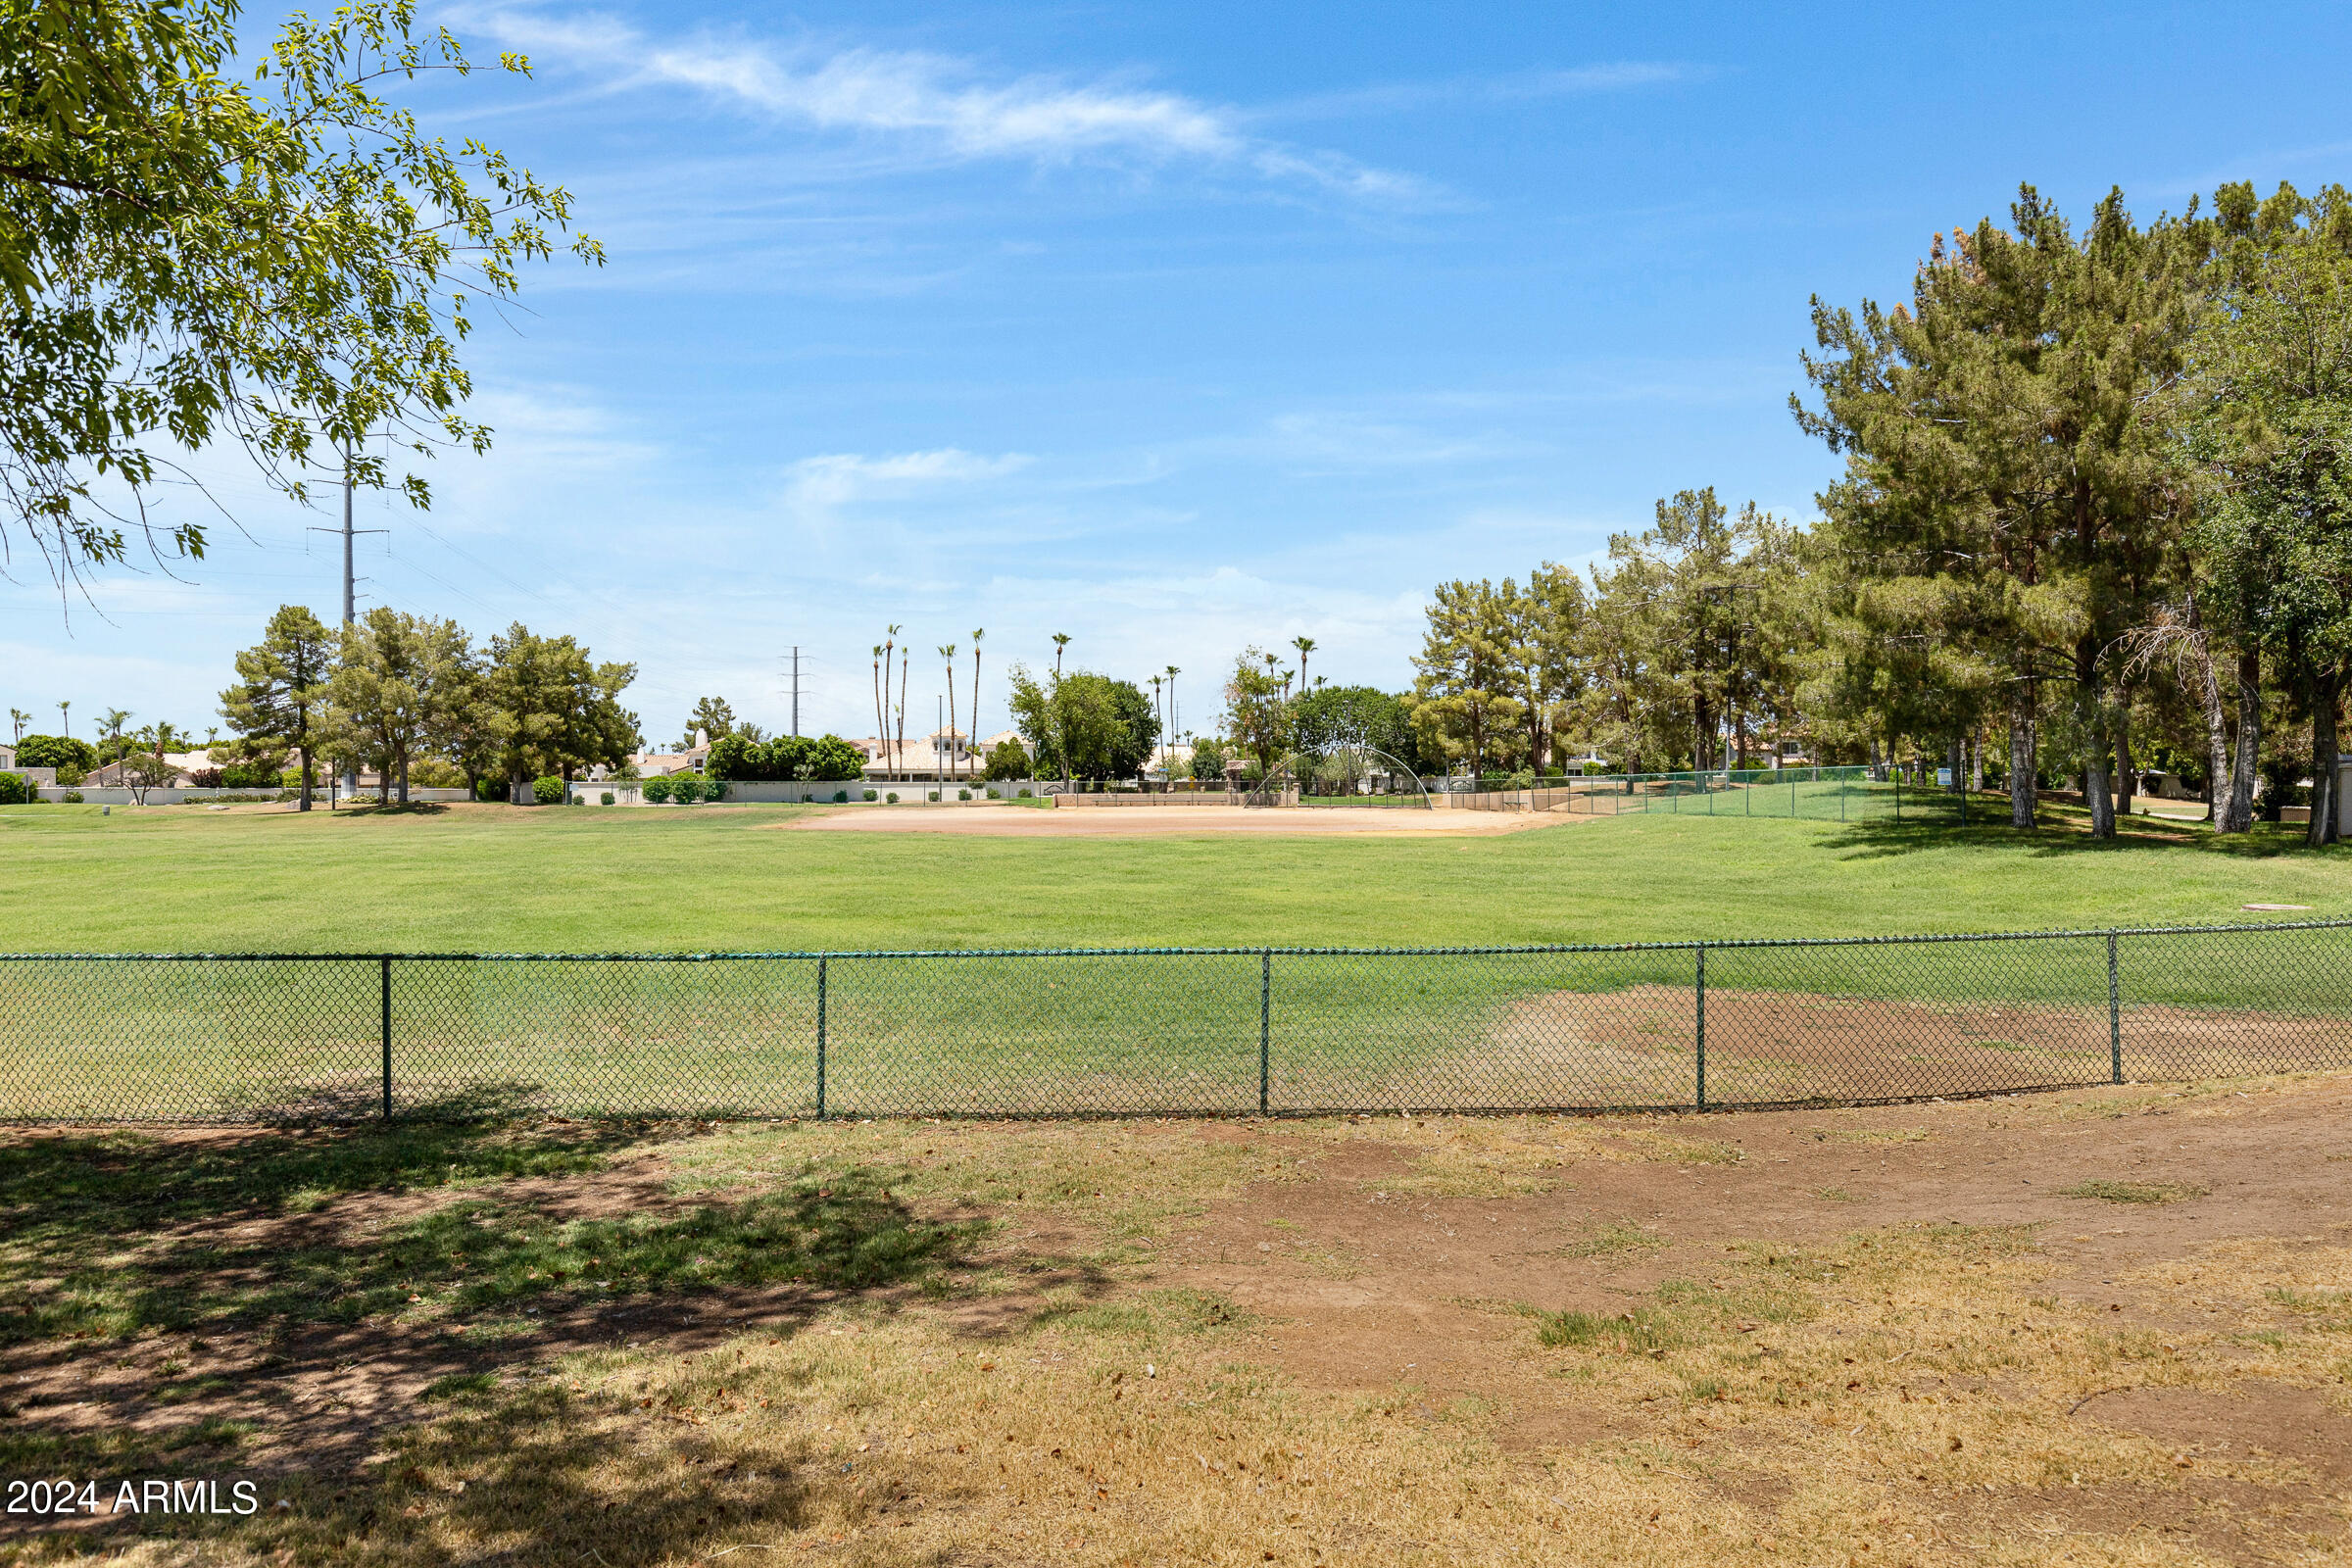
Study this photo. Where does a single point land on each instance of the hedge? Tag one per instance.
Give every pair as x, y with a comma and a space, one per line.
786, 759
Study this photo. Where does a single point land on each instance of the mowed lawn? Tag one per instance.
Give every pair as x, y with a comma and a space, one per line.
497, 878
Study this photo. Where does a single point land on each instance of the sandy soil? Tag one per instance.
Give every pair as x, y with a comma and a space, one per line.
1170, 821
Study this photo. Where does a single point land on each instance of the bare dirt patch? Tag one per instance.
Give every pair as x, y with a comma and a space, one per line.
1636, 1046
1171, 822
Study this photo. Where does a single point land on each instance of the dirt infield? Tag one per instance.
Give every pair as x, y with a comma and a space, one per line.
1152, 821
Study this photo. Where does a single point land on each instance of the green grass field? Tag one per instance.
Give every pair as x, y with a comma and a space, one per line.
183, 879
1115, 1033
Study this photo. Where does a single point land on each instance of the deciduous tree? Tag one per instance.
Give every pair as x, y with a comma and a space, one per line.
189, 259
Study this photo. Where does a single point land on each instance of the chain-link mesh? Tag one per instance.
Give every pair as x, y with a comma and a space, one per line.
1854, 794
261, 1038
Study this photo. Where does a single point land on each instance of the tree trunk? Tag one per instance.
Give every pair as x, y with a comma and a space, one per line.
404, 781
2091, 708
304, 752
2217, 729
2241, 814
2025, 760
2323, 770
2125, 776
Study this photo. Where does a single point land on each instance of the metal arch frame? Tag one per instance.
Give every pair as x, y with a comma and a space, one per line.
1397, 765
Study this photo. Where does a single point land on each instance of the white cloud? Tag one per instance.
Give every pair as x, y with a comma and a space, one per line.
946, 106
1399, 97
837, 479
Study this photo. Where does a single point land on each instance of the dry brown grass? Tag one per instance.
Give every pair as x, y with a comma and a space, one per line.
1888, 1394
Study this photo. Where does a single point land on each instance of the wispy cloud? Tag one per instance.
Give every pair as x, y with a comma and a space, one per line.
948, 107
837, 479
1521, 86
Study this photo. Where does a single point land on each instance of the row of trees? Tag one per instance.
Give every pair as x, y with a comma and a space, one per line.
1685, 650
2097, 513
2103, 476
392, 691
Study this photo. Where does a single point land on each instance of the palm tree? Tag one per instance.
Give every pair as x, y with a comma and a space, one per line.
1306, 646
890, 649
19, 717
1173, 720
977, 634
65, 716
110, 724
1061, 640
948, 652
1159, 713
881, 730
905, 668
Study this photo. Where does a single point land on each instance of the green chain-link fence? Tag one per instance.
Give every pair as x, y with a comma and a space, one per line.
255, 1037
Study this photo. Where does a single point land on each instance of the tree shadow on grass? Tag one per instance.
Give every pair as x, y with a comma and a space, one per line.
2059, 830
538, 1474
178, 1305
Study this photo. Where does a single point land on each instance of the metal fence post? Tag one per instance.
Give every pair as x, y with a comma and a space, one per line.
2115, 1016
1266, 1026
1702, 1025
820, 1040
384, 1018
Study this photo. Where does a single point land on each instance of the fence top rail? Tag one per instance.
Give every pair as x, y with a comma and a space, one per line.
1710, 943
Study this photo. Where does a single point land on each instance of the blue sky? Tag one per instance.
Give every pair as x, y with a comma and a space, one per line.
1175, 328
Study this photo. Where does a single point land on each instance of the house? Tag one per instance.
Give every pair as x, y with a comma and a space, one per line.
945, 753
184, 765
1169, 761
660, 764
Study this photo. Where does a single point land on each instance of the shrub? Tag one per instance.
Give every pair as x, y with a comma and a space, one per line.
547, 790
60, 752
869, 795
16, 789
994, 796
788, 759
73, 797
1524, 779
606, 798
842, 797
894, 796
714, 789
935, 795
258, 776
436, 773
1006, 760
67, 772
1024, 795
489, 788
963, 795
657, 791
685, 791
206, 778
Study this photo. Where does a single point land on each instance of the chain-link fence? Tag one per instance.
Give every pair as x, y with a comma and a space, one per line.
1854, 794
1691, 1025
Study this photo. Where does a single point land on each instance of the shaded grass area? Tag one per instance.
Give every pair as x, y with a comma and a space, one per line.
498, 878
115, 1235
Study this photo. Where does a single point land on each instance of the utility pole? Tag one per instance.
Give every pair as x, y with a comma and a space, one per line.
795, 689
351, 609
